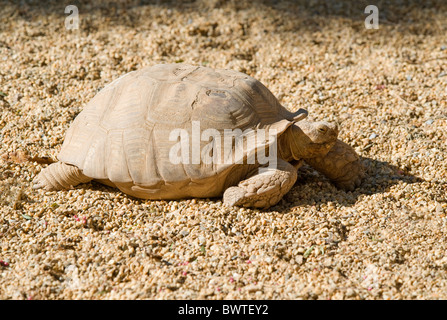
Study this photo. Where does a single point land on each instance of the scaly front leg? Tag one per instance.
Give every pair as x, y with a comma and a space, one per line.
264, 189
341, 165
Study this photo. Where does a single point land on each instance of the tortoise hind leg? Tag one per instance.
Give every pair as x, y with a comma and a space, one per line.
59, 176
264, 189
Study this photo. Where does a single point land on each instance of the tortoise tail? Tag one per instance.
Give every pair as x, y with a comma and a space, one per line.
58, 176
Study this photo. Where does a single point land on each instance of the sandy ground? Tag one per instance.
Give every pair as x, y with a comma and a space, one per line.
386, 88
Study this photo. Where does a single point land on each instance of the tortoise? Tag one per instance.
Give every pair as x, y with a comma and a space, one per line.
157, 133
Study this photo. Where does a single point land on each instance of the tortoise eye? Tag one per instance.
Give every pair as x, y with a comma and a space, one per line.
322, 129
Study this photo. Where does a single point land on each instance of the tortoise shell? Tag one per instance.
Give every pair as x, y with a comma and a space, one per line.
124, 134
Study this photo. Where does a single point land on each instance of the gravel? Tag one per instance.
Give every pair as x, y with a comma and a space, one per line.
385, 240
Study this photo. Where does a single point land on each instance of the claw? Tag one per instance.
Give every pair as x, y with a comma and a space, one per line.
37, 183
37, 186
233, 196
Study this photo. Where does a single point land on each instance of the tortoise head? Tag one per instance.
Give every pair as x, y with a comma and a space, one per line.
312, 139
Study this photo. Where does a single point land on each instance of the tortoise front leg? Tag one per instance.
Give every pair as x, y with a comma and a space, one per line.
264, 189
341, 165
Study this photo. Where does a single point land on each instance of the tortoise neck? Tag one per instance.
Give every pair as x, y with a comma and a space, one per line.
287, 145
